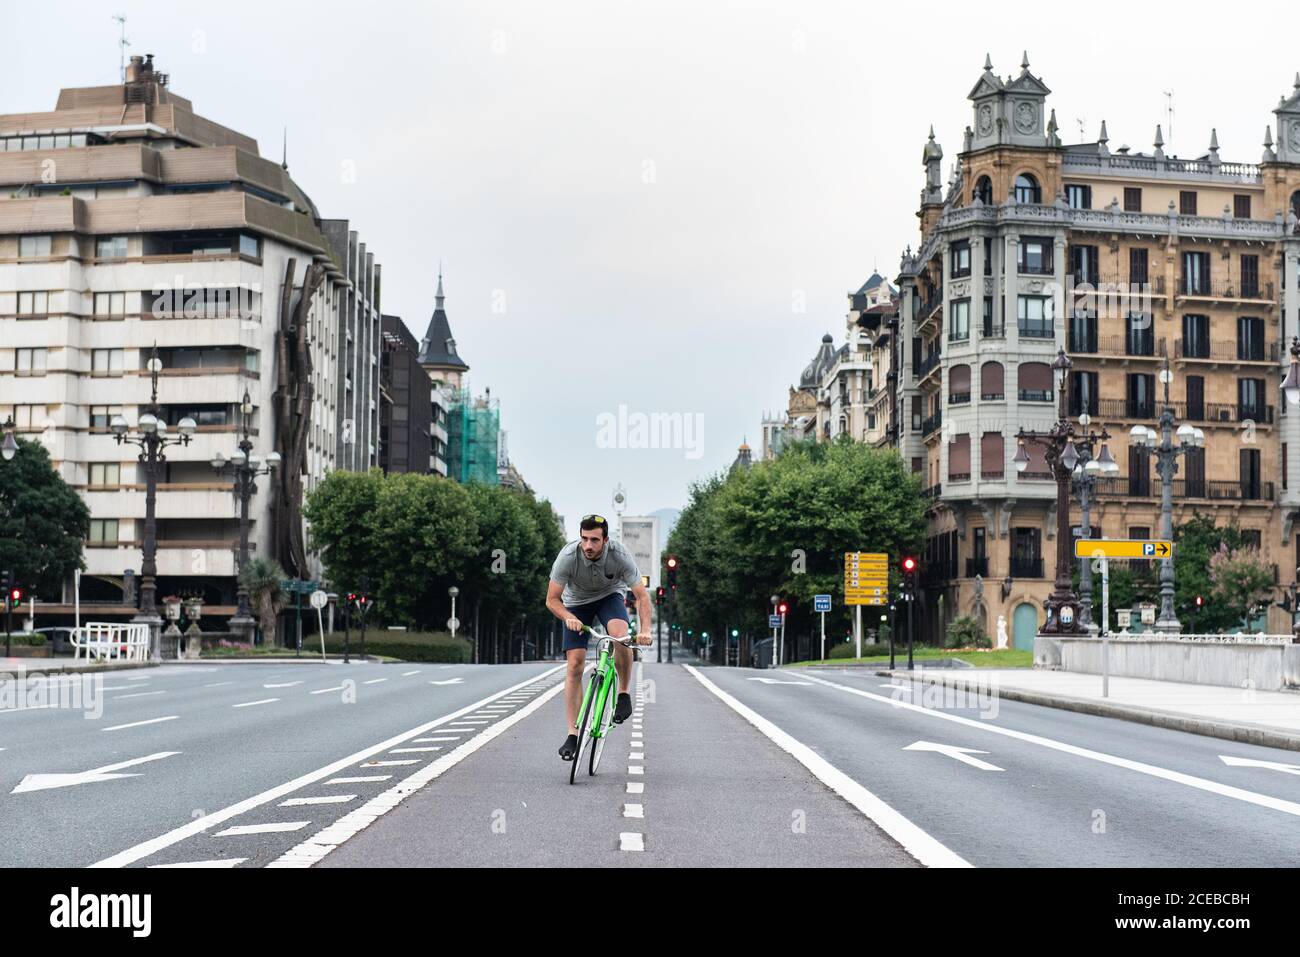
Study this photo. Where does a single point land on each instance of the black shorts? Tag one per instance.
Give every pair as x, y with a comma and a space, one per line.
607, 609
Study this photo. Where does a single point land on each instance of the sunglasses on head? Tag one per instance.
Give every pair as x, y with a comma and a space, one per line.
593, 518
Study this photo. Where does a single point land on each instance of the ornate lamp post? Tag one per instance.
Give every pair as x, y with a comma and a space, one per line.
1062, 456
244, 467
152, 439
1291, 391
9, 447
1086, 474
1166, 454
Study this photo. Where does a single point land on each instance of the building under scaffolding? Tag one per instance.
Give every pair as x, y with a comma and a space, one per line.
473, 435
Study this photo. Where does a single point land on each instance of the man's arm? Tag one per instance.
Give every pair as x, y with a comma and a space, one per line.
555, 605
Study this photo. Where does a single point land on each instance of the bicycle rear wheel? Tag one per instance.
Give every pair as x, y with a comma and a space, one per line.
606, 722
584, 719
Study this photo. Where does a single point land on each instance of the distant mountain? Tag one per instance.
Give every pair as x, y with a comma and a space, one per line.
667, 519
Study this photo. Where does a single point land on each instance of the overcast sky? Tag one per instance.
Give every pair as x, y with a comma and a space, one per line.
660, 205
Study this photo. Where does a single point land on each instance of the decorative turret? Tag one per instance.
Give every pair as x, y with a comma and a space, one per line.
1159, 144
932, 159
1288, 126
1010, 113
1213, 156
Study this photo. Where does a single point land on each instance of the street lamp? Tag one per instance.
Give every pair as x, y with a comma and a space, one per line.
1161, 447
151, 438
244, 467
1086, 473
9, 447
1058, 444
1291, 384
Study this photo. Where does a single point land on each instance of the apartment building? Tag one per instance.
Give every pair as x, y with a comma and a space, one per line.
1130, 262
404, 401
446, 371
129, 223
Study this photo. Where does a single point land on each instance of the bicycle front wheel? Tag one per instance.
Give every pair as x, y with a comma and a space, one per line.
606, 722
584, 725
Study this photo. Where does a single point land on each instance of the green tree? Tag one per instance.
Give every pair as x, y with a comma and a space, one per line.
340, 512
264, 577
43, 522
965, 632
1243, 584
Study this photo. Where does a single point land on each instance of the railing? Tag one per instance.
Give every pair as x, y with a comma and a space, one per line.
928, 364
959, 398
932, 492
1212, 412
110, 640
1026, 568
992, 475
931, 424
994, 330
1213, 490
1226, 351
992, 396
1035, 476
1028, 332
958, 476
977, 566
1109, 219
1207, 288
1035, 395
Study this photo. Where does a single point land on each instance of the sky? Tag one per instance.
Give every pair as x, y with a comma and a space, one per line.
645, 209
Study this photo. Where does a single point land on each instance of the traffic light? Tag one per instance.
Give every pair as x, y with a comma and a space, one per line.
672, 571
1200, 602
659, 595
782, 608
735, 633
909, 574
16, 596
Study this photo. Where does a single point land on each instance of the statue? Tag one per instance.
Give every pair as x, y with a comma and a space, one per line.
1002, 631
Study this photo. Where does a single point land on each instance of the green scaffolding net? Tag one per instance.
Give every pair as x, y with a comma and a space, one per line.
473, 435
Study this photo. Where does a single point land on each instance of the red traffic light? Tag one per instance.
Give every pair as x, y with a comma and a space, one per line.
909, 564
16, 595
1199, 601
782, 608
672, 561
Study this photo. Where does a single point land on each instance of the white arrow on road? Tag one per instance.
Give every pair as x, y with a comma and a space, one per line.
449, 681
1253, 763
777, 681
961, 754
40, 782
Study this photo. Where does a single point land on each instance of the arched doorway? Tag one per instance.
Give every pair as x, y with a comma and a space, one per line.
1025, 626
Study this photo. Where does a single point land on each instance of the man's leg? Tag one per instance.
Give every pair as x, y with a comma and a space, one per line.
576, 659
617, 628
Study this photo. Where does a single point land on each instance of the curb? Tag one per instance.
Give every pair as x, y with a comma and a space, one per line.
265, 660
63, 667
1245, 733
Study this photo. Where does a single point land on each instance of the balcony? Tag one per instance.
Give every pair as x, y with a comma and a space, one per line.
1133, 345
958, 476
928, 365
931, 424
1026, 567
993, 330
932, 492
1035, 395
992, 475
1190, 287
959, 398
1214, 413
1035, 477
977, 566
1037, 332
1210, 490
1220, 351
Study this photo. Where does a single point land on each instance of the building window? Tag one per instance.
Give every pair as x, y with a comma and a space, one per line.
1035, 380
959, 321
103, 531
988, 255
1083, 393
110, 305
1027, 189
960, 259
1084, 265
101, 416
250, 246
1241, 206
33, 304
1250, 339
1141, 389
1250, 474
1078, 196
1196, 337
30, 361
983, 191
1037, 317
1196, 274
1187, 202
1250, 276
33, 247
105, 474
1250, 399
1083, 331
25, 416
1132, 199
992, 382
110, 247
1137, 267
1034, 255
106, 362
1140, 335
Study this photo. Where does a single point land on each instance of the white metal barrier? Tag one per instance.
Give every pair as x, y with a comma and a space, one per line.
106, 641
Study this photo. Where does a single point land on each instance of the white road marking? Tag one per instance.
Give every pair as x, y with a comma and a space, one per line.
440, 739
951, 750
328, 690
138, 694
263, 828
449, 681
43, 782
361, 779
139, 677
389, 764
1253, 763
1202, 784
319, 845
635, 787
631, 841
477, 721
218, 684
915, 841
282, 684
136, 724
327, 799
203, 824
778, 681
374, 681
636, 756
413, 750
218, 862
249, 704
635, 769
407, 674
633, 810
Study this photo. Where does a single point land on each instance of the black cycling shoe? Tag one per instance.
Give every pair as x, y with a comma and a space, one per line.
624, 709
569, 749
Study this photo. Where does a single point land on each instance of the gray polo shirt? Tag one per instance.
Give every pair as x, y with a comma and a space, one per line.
586, 581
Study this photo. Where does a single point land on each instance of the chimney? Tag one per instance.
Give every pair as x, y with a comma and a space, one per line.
134, 68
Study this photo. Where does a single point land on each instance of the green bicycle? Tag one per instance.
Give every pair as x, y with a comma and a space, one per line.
597, 712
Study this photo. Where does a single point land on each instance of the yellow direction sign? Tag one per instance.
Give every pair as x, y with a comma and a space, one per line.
865, 600
1123, 548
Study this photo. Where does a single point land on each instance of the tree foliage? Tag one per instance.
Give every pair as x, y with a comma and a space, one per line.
43, 522
1243, 584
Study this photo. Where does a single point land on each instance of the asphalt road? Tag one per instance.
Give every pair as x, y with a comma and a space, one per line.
295, 765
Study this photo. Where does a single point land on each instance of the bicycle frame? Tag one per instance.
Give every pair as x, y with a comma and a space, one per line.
604, 689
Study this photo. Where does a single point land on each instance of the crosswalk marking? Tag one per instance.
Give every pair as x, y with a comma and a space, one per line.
263, 828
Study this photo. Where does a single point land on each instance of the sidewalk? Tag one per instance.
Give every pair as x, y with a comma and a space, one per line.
50, 666
1268, 718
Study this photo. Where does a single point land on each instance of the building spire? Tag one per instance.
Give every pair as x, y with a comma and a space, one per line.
988, 63
438, 296
1024, 62
284, 150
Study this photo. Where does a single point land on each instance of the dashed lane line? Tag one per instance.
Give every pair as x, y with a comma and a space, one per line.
276, 828
136, 724
250, 704
635, 787
323, 799
631, 841
360, 779
203, 824
633, 810
218, 862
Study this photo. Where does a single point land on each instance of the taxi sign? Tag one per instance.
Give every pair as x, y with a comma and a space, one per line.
821, 602
1123, 548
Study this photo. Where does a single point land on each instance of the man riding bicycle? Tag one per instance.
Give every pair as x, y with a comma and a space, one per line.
589, 581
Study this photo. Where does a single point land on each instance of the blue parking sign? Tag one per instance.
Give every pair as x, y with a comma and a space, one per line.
821, 602
774, 621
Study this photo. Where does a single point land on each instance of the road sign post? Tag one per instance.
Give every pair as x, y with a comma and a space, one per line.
822, 604
1105, 626
319, 599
